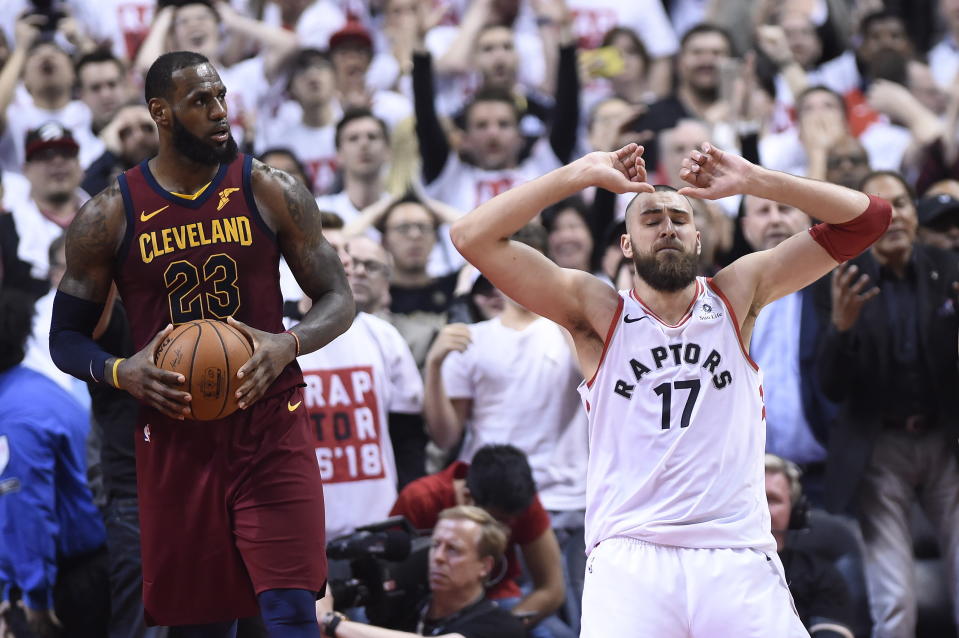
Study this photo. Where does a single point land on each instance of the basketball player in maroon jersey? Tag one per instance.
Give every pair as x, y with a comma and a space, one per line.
231, 510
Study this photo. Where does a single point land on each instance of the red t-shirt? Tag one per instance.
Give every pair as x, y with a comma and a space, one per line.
422, 501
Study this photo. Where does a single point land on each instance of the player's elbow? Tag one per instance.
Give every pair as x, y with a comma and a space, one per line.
462, 236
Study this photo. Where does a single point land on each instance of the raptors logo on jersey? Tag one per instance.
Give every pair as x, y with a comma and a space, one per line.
676, 430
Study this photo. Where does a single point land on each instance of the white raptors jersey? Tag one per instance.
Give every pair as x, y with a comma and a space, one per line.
677, 431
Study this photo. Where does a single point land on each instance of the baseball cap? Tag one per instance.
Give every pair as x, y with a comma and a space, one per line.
49, 135
936, 208
353, 31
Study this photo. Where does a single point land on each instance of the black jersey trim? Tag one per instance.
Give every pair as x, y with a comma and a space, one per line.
251, 200
181, 201
124, 250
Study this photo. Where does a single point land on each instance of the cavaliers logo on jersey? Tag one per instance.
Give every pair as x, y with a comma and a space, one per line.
225, 197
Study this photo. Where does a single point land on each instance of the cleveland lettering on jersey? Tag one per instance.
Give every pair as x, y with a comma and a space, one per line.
229, 230
675, 354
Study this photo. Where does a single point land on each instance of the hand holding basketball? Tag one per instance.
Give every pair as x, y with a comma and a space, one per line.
713, 173
158, 388
271, 353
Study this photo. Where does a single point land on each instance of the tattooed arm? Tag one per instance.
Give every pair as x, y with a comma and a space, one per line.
92, 242
291, 212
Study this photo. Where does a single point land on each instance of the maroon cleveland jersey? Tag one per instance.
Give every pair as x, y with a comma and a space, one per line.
207, 258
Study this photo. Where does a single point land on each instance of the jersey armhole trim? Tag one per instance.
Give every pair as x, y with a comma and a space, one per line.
608, 340
251, 200
124, 250
735, 320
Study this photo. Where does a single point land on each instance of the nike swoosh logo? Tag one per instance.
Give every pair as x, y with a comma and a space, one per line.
144, 217
292, 406
627, 319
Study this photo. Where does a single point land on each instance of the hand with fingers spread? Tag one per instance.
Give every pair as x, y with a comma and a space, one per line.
714, 174
622, 171
271, 353
160, 389
848, 296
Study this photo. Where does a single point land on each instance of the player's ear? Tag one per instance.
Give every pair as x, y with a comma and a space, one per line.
699, 243
159, 111
626, 245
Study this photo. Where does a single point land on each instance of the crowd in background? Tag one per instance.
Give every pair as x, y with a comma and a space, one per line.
402, 115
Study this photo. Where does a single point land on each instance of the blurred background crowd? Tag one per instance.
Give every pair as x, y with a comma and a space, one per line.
401, 116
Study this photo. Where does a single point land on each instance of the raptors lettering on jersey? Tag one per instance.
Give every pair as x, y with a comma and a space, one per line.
686, 401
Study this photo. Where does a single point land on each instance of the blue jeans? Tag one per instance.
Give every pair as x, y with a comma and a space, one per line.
549, 627
126, 577
571, 535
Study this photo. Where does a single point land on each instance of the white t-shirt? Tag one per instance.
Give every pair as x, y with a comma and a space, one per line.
523, 387
313, 146
454, 91
593, 18
677, 431
885, 144
352, 384
317, 23
944, 62
246, 90
465, 186
35, 230
124, 23
22, 116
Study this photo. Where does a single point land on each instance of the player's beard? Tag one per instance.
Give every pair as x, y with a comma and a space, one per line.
196, 150
667, 272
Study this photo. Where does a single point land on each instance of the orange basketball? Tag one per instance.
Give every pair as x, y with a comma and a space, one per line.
208, 354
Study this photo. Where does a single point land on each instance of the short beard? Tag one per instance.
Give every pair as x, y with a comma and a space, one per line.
669, 274
196, 150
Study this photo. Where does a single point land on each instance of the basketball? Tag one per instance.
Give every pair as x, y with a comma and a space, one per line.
208, 354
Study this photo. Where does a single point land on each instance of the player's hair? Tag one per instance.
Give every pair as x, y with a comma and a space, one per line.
330, 221
893, 174
358, 114
98, 56
409, 198
533, 235
159, 79
626, 32
499, 476
16, 324
707, 27
493, 535
491, 95
778, 465
660, 188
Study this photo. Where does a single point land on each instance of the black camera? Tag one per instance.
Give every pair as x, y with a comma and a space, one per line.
389, 574
51, 10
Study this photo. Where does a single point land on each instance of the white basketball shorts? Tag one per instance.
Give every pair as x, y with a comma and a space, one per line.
635, 589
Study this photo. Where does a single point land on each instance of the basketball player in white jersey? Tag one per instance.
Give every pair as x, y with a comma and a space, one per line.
677, 527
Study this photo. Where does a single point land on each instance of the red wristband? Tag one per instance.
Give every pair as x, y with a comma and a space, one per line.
846, 240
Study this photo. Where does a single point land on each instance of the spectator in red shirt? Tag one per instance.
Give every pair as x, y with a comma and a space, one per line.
500, 481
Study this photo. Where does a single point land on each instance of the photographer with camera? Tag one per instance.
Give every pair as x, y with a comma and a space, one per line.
499, 480
467, 544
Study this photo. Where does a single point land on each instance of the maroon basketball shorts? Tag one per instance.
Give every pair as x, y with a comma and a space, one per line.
228, 509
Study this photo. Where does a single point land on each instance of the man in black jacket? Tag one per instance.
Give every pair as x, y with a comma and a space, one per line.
890, 358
